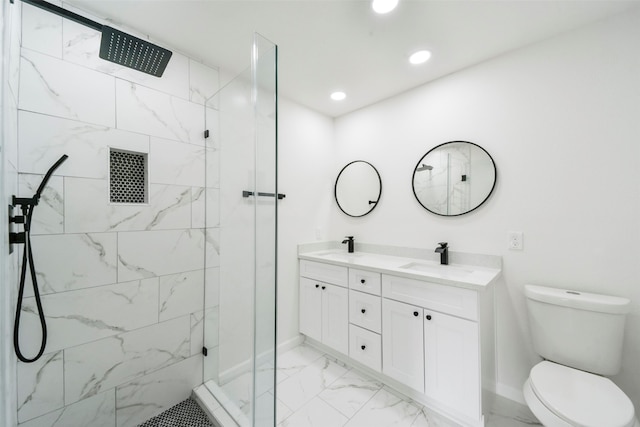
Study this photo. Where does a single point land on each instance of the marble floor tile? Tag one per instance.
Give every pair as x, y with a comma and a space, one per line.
264, 378
507, 413
264, 410
265, 407
385, 409
316, 390
316, 413
350, 392
296, 359
282, 412
239, 391
427, 418
295, 391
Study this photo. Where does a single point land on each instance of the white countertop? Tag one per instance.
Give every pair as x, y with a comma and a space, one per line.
459, 275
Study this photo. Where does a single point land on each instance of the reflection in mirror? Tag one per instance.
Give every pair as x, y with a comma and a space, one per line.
454, 178
358, 188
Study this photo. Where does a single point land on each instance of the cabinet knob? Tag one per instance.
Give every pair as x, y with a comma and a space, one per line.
317, 286
362, 281
363, 347
324, 287
363, 311
415, 313
428, 317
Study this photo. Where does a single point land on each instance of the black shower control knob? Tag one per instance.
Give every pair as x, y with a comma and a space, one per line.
428, 317
363, 347
363, 311
415, 313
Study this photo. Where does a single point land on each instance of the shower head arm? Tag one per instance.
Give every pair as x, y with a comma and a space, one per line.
65, 13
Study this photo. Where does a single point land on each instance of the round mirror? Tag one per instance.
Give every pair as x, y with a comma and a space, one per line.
454, 178
358, 188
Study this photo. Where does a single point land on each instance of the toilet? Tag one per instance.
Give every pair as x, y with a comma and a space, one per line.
580, 336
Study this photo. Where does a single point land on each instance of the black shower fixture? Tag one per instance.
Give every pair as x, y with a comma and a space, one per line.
27, 205
116, 46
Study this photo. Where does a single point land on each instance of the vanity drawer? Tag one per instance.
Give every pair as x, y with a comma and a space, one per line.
365, 347
445, 299
329, 273
365, 310
364, 281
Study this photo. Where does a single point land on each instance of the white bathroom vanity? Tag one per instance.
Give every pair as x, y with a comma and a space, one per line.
424, 329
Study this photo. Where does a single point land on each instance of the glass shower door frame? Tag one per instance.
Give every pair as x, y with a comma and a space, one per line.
239, 332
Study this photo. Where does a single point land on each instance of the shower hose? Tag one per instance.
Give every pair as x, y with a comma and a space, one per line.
27, 259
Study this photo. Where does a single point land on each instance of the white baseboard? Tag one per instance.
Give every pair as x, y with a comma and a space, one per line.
290, 343
510, 393
242, 367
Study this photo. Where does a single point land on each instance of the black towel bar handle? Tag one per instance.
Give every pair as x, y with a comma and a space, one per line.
251, 193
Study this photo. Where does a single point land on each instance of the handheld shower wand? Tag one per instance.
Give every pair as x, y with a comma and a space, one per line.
27, 205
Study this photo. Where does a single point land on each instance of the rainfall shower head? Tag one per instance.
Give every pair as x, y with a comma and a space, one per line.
133, 52
424, 167
116, 46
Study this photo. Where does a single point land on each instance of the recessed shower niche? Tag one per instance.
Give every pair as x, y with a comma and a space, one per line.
128, 181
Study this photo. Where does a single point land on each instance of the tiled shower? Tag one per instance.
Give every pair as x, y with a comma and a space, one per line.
127, 287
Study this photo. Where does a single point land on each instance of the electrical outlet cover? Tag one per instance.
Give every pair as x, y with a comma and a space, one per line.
516, 241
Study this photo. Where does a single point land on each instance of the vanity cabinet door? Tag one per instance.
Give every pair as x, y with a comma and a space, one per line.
310, 308
402, 343
335, 317
452, 362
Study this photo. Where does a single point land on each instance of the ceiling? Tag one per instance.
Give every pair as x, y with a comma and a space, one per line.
329, 45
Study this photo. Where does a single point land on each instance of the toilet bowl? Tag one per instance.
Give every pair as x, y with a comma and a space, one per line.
560, 396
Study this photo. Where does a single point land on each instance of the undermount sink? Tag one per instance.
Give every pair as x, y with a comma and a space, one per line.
437, 269
340, 255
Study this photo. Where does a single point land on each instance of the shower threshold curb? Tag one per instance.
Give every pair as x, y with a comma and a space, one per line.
212, 408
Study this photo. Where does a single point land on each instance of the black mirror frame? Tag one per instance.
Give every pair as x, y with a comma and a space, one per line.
374, 203
495, 178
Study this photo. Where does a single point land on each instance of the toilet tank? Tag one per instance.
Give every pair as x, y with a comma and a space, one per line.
581, 330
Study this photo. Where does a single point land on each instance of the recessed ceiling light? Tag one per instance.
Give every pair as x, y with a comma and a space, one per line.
420, 57
384, 6
338, 96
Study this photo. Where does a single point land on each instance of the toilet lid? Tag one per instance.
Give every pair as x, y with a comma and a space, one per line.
580, 398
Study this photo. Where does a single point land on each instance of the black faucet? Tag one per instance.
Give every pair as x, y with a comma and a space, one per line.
349, 242
443, 250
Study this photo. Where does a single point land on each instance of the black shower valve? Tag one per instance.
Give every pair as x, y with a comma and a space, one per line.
24, 201
15, 238
18, 219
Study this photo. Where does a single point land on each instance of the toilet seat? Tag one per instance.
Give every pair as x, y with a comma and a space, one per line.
579, 398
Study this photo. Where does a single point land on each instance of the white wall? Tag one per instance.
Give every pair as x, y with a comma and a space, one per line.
306, 176
560, 119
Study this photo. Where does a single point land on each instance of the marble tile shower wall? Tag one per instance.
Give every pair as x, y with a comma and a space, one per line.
122, 285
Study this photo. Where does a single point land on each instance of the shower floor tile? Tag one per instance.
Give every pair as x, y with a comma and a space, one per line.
185, 414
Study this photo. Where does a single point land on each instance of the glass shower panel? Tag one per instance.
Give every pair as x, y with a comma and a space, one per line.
264, 65
239, 320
